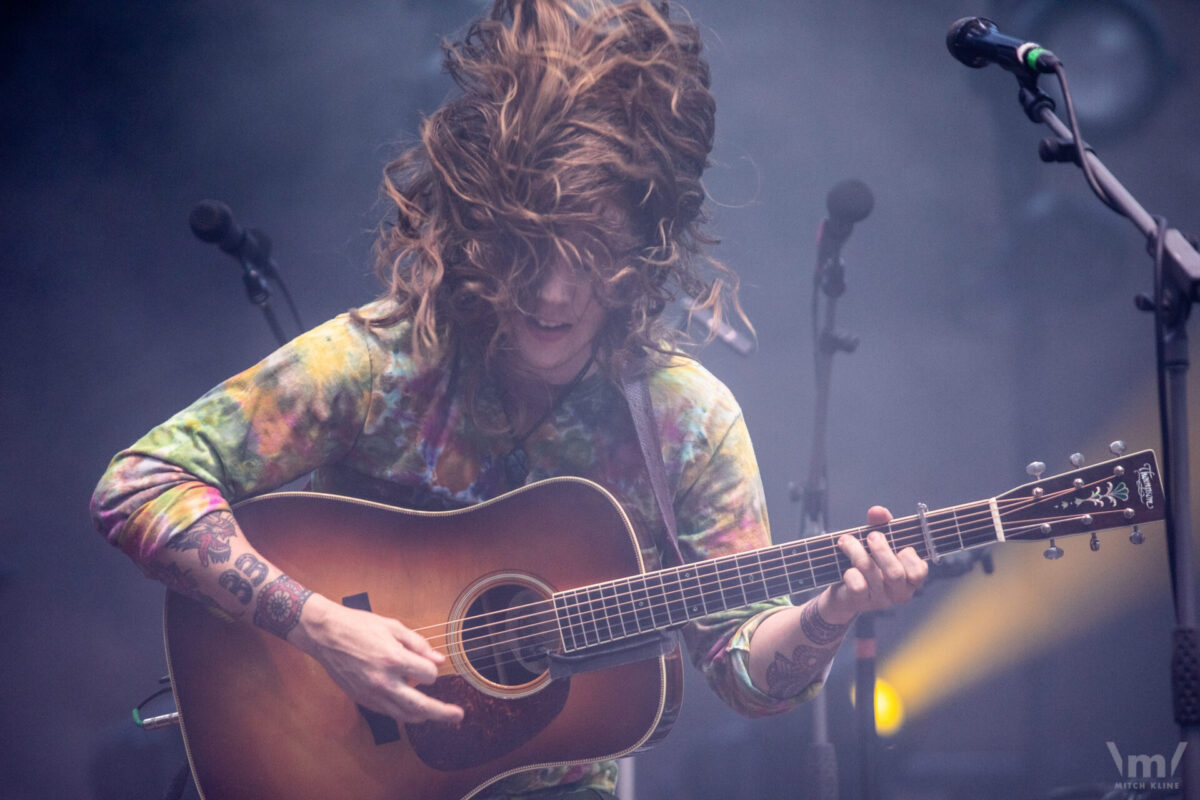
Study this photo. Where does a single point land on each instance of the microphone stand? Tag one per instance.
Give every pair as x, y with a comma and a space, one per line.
258, 294
828, 280
212, 222
1177, 287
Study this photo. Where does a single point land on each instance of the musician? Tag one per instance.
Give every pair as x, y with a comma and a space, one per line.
548, 214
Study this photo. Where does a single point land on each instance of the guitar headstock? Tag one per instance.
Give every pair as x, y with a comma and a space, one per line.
1122, 492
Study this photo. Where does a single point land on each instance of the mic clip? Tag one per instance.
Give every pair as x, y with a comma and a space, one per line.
838, 342
1060, 151
1033, 99
832, 277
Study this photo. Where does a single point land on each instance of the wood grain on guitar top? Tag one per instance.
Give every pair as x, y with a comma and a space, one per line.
261, 719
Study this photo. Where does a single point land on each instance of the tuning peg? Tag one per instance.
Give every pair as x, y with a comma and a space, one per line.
1053, 552
1117, 448
1076, 460
1094, 543
1035, 468
1136, 536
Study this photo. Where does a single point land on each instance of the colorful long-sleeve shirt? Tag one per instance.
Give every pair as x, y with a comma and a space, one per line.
348, 404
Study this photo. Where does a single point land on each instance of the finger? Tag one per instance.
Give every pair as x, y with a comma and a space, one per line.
406, 704
414, 669
406, 662
858, 555
854, 583
418, 644
915, 569
885, 558
889, 578
878, 515
867, 579
421, 706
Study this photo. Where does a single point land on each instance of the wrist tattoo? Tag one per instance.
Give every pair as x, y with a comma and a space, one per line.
816, 629
209, 537
279, 605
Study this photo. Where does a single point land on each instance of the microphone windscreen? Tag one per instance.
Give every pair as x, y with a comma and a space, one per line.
849, 202
960, 36
211, 221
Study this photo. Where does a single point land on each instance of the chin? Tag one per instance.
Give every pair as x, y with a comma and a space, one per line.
552, 369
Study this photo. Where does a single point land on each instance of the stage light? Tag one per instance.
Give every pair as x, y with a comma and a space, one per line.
990, 623
1115, 55
889, 709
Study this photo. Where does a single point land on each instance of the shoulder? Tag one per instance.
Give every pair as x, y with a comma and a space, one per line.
398, 374
687, 398
354, 343
394, 339
389, 346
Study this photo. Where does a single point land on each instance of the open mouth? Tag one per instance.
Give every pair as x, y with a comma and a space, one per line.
541, 325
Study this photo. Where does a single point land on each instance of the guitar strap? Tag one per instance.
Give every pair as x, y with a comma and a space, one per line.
637, 395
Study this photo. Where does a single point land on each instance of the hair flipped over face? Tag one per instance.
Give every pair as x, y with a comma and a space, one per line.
579, 133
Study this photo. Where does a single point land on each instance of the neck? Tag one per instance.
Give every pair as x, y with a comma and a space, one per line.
528, 399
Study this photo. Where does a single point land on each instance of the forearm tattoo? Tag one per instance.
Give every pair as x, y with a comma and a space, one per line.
252, 568
279, 605
209, 537
176, 579
238, 586
787, 677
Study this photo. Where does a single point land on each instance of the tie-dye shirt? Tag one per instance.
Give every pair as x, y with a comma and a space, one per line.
348, 404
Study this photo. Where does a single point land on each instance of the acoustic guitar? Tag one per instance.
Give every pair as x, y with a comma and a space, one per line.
555, 632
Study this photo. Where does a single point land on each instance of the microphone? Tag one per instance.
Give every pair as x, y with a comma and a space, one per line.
212, 222
977, 42
848, 202
728, 334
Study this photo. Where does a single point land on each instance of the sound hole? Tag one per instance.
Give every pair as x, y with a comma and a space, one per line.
507, 633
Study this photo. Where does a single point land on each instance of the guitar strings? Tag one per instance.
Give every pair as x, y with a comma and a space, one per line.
484, 652
817, 550
818, 557
543, 621
491, 649
618, 601
485, 655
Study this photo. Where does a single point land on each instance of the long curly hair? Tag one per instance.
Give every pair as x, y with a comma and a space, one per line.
579, 132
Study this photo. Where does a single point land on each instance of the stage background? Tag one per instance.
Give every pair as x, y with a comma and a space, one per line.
991, 293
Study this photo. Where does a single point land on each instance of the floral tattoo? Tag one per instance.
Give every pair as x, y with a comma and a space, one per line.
279, 605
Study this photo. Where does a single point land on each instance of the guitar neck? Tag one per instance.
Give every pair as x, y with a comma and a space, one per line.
667, 598
1116, 493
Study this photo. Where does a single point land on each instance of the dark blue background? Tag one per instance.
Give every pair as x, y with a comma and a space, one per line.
992, 295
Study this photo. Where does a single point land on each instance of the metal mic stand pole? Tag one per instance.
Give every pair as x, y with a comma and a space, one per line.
829, 280
259, 295
1177, 287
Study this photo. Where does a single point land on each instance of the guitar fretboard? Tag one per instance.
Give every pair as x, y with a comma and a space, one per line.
620, 609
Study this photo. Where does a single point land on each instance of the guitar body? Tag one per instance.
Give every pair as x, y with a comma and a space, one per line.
262, 720
502, 588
